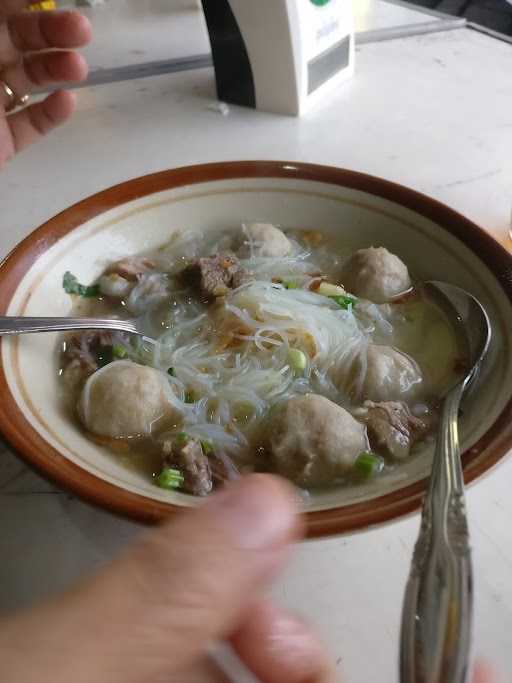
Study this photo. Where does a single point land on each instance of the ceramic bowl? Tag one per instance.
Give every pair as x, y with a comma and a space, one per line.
435, 242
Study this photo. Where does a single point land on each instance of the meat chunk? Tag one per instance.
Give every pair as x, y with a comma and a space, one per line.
186, 455
85, 351
264, 239
215, 275
312, 441
125, 399
131, 268
391, 375
375, 274
392, 427
88, 344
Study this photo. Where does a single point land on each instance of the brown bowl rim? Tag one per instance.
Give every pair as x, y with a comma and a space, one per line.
32, 448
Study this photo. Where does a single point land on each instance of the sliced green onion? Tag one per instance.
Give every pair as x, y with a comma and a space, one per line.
72, 286
207, 447
368, 464
171, 372
170, 479
297, 359
344, 301
119, 351
181, 438
189, 397
290, 285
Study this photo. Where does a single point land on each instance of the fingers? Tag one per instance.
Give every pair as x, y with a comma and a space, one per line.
31, 123
55, 67
159, 608
47, 30
43, 69
35, 31
207, 568
278, 646
8, 7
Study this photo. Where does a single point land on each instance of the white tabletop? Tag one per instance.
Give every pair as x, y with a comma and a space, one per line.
433, 112
128, 32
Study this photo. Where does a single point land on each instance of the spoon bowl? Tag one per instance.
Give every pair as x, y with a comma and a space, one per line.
470, 322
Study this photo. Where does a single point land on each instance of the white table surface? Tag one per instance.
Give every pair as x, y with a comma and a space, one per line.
139, 31
433, 112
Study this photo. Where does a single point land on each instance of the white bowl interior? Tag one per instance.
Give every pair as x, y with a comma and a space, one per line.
356, 218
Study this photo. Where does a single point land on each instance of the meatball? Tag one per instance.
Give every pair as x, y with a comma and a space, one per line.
391, 375
124, 399
266, 240
375, 274
312, 440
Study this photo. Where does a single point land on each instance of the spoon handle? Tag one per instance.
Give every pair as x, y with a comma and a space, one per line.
25, 324
437, 610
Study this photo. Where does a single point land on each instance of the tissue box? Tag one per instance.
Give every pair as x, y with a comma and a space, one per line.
280, 56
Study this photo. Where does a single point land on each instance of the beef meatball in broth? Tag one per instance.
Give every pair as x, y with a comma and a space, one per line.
375, 274
124, 399
312, 440
390, 375
266, 240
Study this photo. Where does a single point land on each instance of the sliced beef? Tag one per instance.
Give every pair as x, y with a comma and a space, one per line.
83, 354
187, 456
131, 268
392, 427
87, 349
215, 275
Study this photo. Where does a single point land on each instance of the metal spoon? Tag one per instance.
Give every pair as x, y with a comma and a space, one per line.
25, 324
437, 609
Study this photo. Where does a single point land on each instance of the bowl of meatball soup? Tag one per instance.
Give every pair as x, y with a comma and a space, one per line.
285, 330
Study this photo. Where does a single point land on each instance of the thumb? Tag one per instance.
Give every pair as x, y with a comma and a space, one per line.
158, 608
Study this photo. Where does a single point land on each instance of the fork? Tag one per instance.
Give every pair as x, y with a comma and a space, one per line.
11, 325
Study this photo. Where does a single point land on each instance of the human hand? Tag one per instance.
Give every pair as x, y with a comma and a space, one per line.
485, 673
28, 58
151, 616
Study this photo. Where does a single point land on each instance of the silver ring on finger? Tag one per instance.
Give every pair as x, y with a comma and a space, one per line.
13, 100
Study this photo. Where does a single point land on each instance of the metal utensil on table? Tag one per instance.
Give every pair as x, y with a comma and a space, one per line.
437, 609
10, 325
